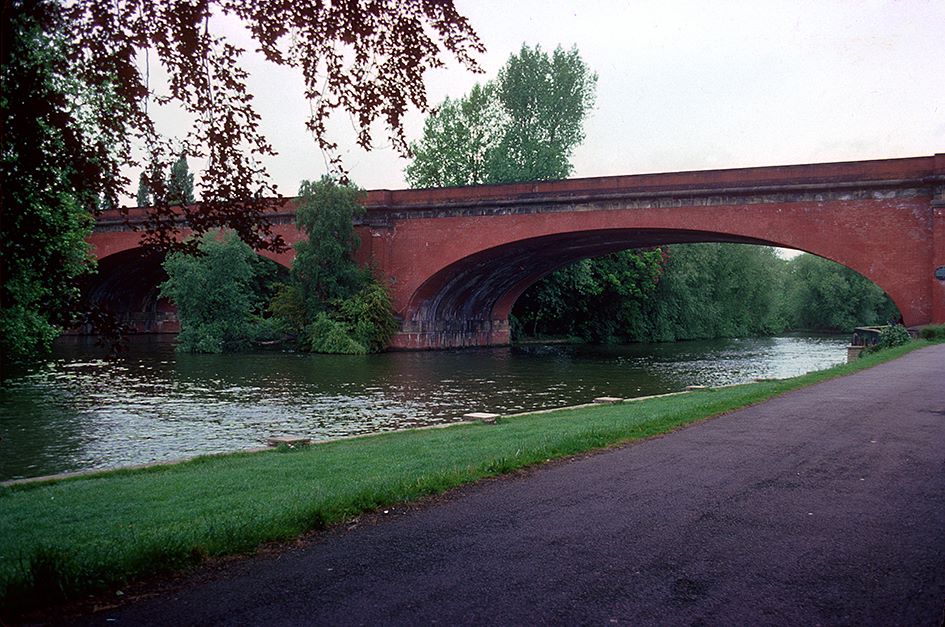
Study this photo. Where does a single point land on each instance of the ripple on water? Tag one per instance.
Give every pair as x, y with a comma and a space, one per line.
82, 412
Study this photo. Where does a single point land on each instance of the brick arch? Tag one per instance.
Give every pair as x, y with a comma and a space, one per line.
468, 301
126, 284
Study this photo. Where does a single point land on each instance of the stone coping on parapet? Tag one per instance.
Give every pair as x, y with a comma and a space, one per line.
92, 472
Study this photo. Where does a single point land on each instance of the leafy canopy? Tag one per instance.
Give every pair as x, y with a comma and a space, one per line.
77, 107
53, 162
215, 294
523, 126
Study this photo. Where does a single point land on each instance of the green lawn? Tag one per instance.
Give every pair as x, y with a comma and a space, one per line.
59, 539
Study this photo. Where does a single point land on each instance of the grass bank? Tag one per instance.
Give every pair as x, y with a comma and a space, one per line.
59, 539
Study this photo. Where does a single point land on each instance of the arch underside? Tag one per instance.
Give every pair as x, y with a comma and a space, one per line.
126, 285
468, 302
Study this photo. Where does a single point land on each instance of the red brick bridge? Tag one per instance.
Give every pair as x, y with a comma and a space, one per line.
456, 259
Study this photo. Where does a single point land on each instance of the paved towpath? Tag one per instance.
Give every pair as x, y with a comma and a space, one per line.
825, 506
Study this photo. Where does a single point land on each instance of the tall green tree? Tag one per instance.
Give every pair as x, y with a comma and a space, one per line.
458, 141
143, 196
51, 165
523, 126
546, 100
331, 303
324, 267
180, 183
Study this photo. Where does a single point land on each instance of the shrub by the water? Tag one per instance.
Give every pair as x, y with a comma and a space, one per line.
368, 313
332, 336
896, 335
216, 295
933, 332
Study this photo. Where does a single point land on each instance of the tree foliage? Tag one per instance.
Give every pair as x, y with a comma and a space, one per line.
599, 300
77, 107
180, 183
700, 291
143, 195
331, 304
523, 126
216, 294
53, 165
715, 290
820, 294
324, 269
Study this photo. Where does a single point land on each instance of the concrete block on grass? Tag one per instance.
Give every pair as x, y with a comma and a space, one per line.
607, 400
482, 417
291, 441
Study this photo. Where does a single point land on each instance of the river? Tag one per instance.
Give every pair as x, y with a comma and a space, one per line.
81, 411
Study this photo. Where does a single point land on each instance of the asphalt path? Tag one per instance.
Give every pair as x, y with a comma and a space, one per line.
824, 506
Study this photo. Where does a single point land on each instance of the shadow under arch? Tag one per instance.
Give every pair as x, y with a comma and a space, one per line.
468, 302
127, 287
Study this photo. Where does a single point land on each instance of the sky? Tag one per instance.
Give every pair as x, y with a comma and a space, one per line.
681, 85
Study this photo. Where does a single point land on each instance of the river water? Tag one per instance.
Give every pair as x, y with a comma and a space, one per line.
82, 411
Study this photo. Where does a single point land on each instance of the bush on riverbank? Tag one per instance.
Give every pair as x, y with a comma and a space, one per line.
892, 336
220, 295
933, 332
64, 538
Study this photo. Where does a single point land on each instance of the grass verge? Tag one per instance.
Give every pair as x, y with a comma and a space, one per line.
60, 539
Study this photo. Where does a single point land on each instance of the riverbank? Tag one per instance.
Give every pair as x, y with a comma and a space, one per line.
63, 538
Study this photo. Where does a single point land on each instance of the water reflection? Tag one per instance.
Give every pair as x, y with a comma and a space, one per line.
81, 411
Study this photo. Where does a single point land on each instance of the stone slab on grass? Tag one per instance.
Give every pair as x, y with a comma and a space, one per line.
482, 417
291, 441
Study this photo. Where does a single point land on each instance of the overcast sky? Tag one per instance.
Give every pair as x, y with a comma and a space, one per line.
685, 85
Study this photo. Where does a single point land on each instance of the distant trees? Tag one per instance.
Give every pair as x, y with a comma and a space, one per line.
821, 294
715, 290
143, 196
180, 183
700, 291
176, 189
